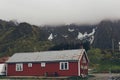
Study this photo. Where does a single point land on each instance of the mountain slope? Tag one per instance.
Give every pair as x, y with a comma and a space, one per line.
20, 38
23, 37
107, 31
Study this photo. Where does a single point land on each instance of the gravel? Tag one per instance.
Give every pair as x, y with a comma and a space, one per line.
105, 76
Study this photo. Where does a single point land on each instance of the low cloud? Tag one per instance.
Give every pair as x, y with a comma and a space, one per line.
42, 12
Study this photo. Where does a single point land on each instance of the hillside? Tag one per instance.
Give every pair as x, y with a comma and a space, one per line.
21, 37
24, 37
106, 33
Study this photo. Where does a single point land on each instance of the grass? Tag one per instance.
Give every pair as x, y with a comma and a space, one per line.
106, 68
45, 78
80, 78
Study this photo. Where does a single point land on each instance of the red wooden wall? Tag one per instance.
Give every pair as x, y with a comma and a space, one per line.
37, 70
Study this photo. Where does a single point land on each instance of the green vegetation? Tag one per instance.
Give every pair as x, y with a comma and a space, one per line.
44, 78
104, 61
24, 37
77, 78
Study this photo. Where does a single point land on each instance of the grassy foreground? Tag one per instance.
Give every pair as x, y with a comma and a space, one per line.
43, 78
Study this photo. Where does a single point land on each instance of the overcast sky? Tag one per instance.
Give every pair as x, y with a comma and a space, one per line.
42, 12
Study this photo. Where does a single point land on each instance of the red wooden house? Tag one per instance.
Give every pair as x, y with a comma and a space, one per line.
48, 63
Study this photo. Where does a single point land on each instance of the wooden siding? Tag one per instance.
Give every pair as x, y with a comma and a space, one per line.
83, 71
37, 70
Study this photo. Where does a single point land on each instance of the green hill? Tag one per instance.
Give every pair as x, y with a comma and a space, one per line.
20, 38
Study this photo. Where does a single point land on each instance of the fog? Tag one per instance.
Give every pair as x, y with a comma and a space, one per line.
41, 12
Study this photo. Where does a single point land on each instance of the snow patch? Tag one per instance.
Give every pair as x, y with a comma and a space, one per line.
85, 34
91, 39
89, 36
92, 36
80, 36
70, 30
92, 33
65, 36
50, 37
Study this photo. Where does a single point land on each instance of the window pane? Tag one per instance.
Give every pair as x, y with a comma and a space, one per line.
62, 66
66, 66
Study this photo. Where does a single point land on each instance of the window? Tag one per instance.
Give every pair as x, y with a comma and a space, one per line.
43, 64
29, 64
19, 67
64, 66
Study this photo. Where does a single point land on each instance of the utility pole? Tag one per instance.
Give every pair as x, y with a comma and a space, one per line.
112, 45
119, 46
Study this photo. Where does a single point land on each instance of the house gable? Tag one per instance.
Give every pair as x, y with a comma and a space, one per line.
84, 65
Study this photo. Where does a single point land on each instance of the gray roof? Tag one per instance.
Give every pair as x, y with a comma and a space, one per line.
47, 56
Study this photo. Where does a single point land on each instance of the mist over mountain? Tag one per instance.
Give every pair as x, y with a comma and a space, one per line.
24, 37
42, 12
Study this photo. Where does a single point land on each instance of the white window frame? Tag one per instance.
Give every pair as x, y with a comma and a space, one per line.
43, 64
19, 66
29, 64
63, 67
